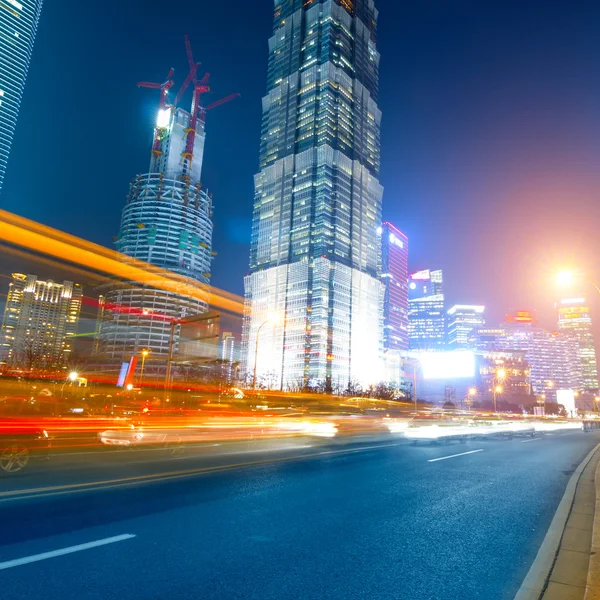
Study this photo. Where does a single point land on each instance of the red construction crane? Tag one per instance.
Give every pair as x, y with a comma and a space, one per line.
162, 106
163, 87
197, 110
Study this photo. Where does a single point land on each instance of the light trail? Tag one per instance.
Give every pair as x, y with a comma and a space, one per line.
25, 233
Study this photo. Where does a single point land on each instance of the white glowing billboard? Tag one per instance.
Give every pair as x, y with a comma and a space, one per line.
567, 399
447, 365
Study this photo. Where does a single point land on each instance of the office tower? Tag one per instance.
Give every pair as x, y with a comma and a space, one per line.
394, 274
426, 312
167, 223
40, 318
575, 320
463, 319
313, 295
553, 357
228, 354
18, 24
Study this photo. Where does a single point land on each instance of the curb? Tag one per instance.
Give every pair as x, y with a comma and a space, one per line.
592, 590
536, 580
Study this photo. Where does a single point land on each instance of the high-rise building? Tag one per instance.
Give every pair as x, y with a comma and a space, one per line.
40, 318
18, 24
315, 258
553, 357
167, 223
228, 354
575, 320
463, 319
426, 312
394, 274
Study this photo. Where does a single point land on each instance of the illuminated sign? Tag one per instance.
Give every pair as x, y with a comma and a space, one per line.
573, 301
567, 399
447, 365
421, 275
520, 316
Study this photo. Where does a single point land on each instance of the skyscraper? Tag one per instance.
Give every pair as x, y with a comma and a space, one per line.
553, 357
575, 320
167, 223
315, 252
463, 319
426, 312
40, 317
18, 24
394, 274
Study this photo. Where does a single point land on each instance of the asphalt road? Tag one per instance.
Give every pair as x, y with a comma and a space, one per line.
370, 519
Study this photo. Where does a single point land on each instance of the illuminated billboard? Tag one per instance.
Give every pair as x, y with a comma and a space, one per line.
447, 365
567, 399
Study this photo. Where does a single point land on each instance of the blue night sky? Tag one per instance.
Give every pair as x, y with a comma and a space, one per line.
491, 130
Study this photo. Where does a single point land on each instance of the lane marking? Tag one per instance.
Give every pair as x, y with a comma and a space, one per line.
455, 455
25, 494
535, 439
9, 564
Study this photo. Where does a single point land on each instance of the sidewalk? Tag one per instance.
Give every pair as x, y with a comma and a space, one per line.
570, 553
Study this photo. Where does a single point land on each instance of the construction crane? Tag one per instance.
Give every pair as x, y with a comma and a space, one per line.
197, 110
161, 121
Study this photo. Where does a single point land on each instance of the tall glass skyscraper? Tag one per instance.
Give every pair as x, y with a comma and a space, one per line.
574, 319
18, 26
426, 313
394, 253
315, 254
463, 320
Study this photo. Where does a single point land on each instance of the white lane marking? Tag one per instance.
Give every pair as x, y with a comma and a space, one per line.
535, 439
9, 564
455, 455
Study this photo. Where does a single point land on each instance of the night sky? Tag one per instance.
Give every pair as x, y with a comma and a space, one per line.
491, 131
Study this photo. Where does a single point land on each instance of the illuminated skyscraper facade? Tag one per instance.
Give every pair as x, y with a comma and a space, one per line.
426, 312
463, 319
315, 258
40, 318
575, 320
18, 26
166, 222
394, 274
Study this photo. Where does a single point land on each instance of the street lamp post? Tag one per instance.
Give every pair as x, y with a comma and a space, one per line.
496, 384
566, 278
471, 393
144, 356
270, 319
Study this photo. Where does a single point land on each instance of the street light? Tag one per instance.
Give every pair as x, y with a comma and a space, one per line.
471, 393
144, 353
566, 278
73, 376
273, 318
497, 390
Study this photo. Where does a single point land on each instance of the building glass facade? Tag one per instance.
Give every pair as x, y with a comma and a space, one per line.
18, 26
426, 311
315, 252
394, 274
575, 320
463, 319
553, 357
40, 318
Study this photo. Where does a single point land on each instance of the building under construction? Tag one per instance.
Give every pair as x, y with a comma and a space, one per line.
166, 222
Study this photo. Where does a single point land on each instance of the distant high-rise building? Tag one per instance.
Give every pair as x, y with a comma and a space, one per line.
18, 24
40, 318
463, 319
167, 223
228, 353
315, 258
426, 312
575, 320
553, 357
394, 274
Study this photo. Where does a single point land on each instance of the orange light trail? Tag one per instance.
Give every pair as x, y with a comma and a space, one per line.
25, 233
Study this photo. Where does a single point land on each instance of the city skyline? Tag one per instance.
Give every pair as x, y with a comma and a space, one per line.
528, 264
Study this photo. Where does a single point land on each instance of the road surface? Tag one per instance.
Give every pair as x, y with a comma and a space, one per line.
372, 518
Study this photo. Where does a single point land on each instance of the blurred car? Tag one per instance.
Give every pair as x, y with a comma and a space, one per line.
21, 442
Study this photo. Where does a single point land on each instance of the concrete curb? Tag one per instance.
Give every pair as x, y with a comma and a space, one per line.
535, 582
592, 590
